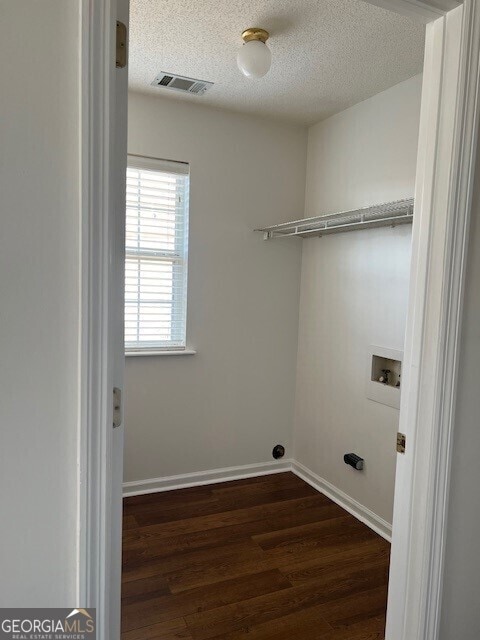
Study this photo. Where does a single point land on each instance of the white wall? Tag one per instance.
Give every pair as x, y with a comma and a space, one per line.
39, 285
354, 291
460, 611
233, 401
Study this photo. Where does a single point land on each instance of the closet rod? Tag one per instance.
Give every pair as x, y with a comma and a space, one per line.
379, 215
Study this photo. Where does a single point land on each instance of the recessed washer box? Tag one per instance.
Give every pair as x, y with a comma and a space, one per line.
387, 364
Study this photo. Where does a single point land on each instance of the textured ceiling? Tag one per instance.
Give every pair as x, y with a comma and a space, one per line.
326, 54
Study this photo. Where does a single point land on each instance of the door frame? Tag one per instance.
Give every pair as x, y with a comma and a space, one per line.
444, 187
446, 163
423, 11
102, 110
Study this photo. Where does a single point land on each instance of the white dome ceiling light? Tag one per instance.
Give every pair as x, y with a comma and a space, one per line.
254, 58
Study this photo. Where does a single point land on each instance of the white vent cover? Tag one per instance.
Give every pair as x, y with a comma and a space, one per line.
180, 83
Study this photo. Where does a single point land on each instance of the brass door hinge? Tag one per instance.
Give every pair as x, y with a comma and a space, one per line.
401, 442
121, 45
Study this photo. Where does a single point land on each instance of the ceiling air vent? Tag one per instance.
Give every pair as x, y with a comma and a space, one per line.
180, 83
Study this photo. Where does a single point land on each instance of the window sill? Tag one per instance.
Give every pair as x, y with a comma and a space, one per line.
180, 352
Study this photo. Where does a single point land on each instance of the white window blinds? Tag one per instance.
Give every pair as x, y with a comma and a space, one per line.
156, 255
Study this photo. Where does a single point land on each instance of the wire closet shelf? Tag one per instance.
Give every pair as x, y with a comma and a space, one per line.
388, 214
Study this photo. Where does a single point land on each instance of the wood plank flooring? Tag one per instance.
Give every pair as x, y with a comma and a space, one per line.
257, 559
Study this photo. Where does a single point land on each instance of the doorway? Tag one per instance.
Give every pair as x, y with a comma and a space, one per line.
223, 417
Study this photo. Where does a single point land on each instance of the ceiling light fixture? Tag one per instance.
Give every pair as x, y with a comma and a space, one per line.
254, 58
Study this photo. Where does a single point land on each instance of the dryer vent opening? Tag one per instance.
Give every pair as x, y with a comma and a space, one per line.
278, 451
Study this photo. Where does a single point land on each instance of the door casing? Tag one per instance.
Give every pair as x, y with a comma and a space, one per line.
103, 133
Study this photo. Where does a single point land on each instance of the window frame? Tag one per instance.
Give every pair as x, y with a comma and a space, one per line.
152, 348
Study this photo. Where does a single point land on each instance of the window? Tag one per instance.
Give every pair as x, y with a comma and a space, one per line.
156, 255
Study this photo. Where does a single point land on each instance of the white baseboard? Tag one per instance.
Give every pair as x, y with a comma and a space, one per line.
199, 478
379, 525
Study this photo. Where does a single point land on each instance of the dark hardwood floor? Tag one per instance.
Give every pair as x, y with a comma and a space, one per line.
257, 559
